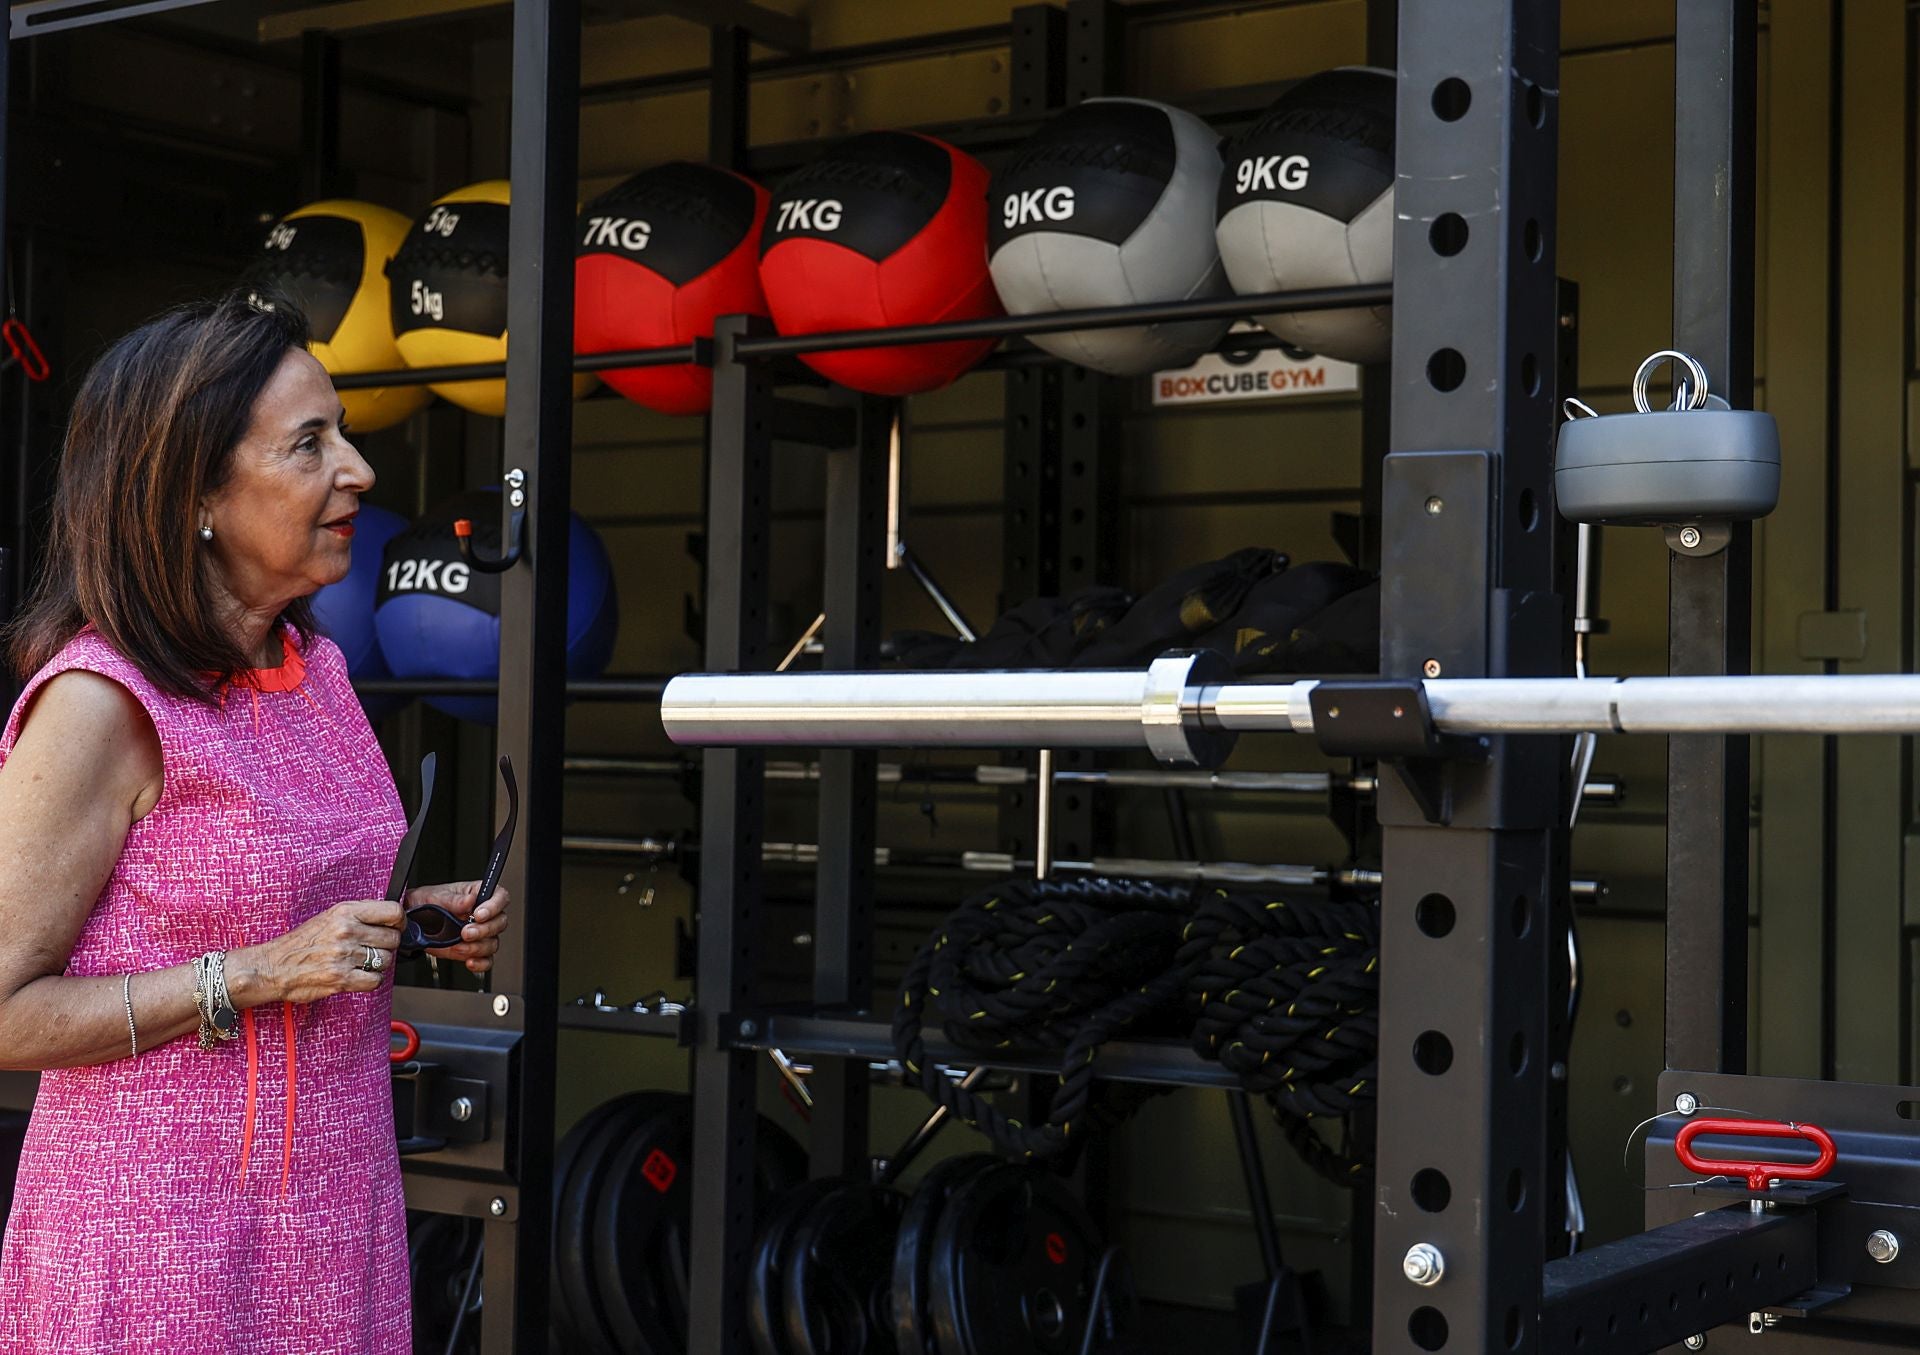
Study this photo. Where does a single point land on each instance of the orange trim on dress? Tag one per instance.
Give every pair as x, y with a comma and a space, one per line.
253, 1084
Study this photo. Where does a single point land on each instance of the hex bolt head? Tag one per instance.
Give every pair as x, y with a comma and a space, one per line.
1686, 1103
1882, 1245
461, 1110
498, 1207
1690, 537
1424, 1264
1695, 1342
502, 1005
1431, 668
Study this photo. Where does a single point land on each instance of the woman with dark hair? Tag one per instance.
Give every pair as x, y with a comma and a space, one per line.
199, 824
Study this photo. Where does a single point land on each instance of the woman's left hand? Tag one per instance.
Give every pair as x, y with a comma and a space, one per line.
480, 938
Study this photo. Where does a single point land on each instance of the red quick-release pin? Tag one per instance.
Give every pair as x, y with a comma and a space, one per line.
1757, 1173
409, 1041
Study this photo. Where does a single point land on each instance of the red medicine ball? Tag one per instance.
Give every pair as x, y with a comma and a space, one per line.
660, 256
890, 228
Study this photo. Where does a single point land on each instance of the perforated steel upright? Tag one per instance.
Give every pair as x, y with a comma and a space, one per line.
1469, 585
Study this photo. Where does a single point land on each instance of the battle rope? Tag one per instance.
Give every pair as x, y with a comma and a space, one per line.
1041, 965
1288, 996
1284, 994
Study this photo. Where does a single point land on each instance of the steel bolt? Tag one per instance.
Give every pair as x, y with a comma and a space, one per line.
1434, 505
1690, 537
1695, 1342
1882, 1245
498, 1207
1431, 668
1686, 1103
502, 1005
749, 1029
1424, 1264
461, 1110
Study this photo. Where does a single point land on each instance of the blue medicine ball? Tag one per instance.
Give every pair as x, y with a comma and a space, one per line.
439, 618
345, 609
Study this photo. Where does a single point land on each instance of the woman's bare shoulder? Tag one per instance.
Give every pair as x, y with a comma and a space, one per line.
89, 732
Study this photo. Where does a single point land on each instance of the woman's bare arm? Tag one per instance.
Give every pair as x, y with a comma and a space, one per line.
86, 767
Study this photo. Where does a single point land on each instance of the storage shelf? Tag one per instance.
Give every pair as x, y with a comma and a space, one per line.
677, 1027
862, 1035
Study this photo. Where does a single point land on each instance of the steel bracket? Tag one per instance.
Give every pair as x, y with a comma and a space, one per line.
1391, 720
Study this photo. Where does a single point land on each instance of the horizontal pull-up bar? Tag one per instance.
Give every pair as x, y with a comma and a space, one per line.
1177, 711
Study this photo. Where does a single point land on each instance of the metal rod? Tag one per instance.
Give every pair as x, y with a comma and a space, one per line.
800, 645
1110, 709
1043, 826
1259, 1202
1001, 327
495, 371
668, 847
578, 689
1602, 789
1059, 322
927, 1132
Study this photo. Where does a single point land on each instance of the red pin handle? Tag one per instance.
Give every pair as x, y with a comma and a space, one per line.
25, 351
1757, 1173
409, 1041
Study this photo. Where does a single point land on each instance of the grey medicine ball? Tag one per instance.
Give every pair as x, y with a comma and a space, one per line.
1307, 201
1110, 203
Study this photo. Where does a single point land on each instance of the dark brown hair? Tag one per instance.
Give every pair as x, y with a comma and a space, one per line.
152, 433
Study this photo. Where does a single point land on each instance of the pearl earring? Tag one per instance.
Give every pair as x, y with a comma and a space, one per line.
206, 533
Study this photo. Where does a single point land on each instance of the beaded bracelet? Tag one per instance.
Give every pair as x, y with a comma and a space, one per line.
133, 1031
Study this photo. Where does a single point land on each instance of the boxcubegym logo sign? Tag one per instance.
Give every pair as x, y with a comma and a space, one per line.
1257, 374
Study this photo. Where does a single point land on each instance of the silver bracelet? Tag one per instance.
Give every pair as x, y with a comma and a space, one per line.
133, 1031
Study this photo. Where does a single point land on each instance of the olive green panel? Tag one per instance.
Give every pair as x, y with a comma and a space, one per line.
1183, 55
1188, 1227
1789, 546
1611, 23
1616, 209
1874, 565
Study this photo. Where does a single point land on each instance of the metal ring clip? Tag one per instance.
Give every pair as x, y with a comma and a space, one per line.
1693, 392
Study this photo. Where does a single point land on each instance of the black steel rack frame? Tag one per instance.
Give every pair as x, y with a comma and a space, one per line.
1476, 589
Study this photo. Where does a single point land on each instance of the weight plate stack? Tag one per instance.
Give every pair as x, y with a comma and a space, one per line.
913, 1253
623, 1220
839, 1270
766, 1288
1014, 1260
642, 1225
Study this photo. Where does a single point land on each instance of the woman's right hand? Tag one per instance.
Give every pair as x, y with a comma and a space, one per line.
320, 957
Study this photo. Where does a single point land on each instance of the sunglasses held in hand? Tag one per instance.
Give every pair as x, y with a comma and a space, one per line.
428, 925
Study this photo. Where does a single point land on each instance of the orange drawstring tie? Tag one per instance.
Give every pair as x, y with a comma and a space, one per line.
253, 1083
293, 1090
253, 1093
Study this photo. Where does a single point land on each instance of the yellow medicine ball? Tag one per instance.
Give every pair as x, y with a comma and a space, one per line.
449, 292
330, 259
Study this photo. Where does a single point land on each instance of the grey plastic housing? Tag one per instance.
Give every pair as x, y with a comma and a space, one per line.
1668, 467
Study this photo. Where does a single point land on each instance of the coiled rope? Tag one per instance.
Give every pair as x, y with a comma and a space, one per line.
1033, 966
1283, 993
1288, 995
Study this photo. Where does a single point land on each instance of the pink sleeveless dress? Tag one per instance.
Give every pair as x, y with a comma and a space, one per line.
247, 1200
